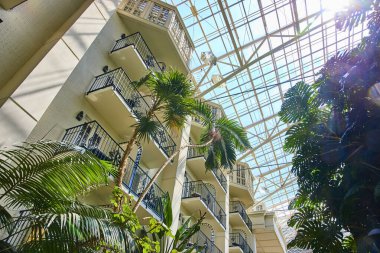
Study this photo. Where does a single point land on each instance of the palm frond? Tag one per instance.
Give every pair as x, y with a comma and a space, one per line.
176, 110
48, 173
296, 104
230, 129
147, 127
5, 219
78, 226
172, 82
203, 112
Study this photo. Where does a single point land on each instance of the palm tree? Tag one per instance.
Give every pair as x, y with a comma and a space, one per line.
45, 179
220, 140
171, 93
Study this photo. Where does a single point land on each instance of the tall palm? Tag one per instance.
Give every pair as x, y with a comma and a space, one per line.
171, 94
220, 140
45, 179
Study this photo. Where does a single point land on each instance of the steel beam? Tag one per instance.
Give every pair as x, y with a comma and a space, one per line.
221, 7
247, 65
250, 151
253, 42
285, 184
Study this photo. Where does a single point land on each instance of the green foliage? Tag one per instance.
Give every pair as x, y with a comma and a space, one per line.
44, 174
226, 138
335, 138
172, 95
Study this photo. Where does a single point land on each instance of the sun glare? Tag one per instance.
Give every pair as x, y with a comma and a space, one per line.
335, 5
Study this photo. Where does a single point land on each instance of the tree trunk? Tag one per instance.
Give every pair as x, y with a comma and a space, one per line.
124, 161
154, 178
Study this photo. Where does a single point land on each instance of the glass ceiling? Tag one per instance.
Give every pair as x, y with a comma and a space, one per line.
262, 48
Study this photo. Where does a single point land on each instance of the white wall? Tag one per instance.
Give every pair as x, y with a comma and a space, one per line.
27, 104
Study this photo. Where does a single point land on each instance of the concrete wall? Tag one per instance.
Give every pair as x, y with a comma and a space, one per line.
28, 32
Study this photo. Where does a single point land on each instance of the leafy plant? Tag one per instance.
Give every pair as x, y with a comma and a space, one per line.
45, 179
219, 141
336, 145
171, 93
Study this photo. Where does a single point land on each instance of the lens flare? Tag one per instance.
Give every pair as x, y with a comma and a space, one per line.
374, 93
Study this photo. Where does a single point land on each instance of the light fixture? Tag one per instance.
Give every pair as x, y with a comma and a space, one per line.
208, 58
79, 116
216, 79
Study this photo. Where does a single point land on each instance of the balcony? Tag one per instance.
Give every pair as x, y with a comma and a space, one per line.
159, 21
196, 124
196, 164
197, 196
9, 4
241, 183
268, 233
133, 53
121, 105
95, 139
239, 217
201, 240
239, 244
136, 180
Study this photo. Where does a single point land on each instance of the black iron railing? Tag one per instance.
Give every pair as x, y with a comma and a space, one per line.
203, 243
237, 207
94, 138
220, 176
138, 42
196, 153
236, 240
193, 152
120, 82
136, 180
199, 189
19, 230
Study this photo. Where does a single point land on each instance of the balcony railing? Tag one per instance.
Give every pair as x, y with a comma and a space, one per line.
199, 189
94, 138
120, 82
195, 153
19, 230
136, 180
216, 114
165, 16
236, 240
201, 240
237, 207
138, 42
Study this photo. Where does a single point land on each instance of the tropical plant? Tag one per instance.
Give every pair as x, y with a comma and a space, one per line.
316, 228
220, 140
335, 136
171, 94
45, 179
168, 242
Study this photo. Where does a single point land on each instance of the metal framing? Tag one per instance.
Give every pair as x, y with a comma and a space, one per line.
263, 47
